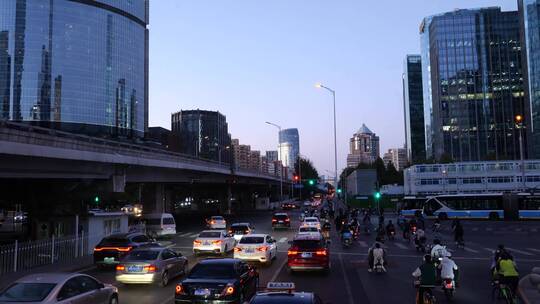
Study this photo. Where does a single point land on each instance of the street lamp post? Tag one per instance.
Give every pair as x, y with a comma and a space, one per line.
281, 168
335, 132
519, 124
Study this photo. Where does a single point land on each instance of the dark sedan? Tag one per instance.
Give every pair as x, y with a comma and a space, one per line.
218, 281
113, 248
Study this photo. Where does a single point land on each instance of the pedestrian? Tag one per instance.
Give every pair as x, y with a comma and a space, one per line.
458, 232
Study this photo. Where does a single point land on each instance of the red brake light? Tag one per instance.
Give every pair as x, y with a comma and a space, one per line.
321, 252
122, 249
212, 222
274, 220
120, 267
179, 289
292, 252
262, 249
237, 249
246, 232
196, 242
150, 268
218, 242
287, 219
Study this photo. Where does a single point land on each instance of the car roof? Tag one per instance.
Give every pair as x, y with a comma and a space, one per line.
52, 277
219, 261
308, 236
281, 213
221, 230
284, 297
256, 235
149, 248
216, 216
310, 218
240, 224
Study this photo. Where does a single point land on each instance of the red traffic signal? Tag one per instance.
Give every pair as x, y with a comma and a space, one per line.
296, 178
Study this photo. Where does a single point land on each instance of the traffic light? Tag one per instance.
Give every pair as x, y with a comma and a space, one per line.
377, 195
296, 178
338, 190
311, 182
96, 199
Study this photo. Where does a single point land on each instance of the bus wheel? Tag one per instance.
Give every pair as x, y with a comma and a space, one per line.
443, 216
494, 216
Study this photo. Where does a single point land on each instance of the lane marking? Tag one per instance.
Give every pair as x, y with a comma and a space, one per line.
363, 244
490, 250
402, 246
86, 269
185, 234
346, 279
282, 240
519, 251
470, 250
532, 249
193, 235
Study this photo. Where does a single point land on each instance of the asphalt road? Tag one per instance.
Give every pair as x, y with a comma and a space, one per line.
349, 282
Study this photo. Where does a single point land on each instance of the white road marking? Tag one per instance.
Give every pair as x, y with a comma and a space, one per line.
402, 246
535, 250
282, 240
346, 281
185, 234
470, 250
363, 244
489, 249
518, 251
193, 235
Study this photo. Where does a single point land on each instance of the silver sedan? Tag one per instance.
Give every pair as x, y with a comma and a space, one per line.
59, 288
151, 265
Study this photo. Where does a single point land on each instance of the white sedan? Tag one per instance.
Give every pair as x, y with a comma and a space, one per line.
216, 222
312, 222
213, 241
256, 247
308, 229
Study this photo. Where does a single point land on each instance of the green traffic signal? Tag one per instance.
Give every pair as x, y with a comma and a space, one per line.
377, 195
338, 190
311, 182
96, 199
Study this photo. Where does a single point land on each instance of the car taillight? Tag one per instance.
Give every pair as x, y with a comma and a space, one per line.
230, 231
237, 249
262, 249
218, 242
179, 289
197, 243
274, 220
150, 268
287, 219
321, 252
228, 290
292, 252
246, 231
120, 267
448, 284
121, 249
212, 222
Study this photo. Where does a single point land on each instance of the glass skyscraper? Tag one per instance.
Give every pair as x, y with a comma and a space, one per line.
75, 65
530, 16
413, 105
289, 147
476, 83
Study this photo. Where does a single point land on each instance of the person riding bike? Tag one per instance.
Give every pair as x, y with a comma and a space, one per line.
436, 225
497, 255
406, 230
376, 255
449, 269
420, 238
390, 228
427, 275
326, 229
507, 273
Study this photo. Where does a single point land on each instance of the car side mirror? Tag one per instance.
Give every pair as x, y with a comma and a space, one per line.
101, 285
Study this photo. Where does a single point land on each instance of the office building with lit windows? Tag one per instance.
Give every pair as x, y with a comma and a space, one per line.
413, 106
79, 66
471, 63
289, 147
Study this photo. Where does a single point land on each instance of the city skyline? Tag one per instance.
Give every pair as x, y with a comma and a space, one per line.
269, 69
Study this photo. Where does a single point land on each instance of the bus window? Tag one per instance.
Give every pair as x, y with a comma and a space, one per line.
431, 206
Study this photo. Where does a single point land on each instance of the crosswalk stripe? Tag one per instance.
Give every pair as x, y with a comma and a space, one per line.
489, 249
363, 244
532, 249
519, 251
402, 246
282, 240
470, 250
185, 234
193, 235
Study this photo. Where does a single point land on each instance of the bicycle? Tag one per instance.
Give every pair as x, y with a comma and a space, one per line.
502, 291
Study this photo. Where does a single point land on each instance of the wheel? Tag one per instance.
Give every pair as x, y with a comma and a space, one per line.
449, 294
113, 300
164, 279
443, 216
494, 216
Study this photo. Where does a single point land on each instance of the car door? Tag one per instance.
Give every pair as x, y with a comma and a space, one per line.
168, 258
272, 244
92, 290
71, 293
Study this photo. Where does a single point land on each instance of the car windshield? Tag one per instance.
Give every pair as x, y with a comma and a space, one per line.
212, 271
168, 221
252, 240
142, 255
113, 241
280, 216
311, 220
210, 234
217, 218
26, 292
239, 228
308, 229
307, 244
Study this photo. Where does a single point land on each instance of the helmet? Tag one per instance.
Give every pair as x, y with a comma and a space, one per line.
427, 258
448, 254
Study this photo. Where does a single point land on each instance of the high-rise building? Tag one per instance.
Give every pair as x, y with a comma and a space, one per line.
79, 66
289, 147
203, 134
272, 156
413, 105
241, 154
363, 147
529, 11
396, 156
255, 160
471, 61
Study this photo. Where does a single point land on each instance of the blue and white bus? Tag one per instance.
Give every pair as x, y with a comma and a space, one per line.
482, 206
412, 206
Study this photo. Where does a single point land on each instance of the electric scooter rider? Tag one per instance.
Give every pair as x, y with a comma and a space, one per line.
438, 251
427, 275
390, 229
449, 269
377, 255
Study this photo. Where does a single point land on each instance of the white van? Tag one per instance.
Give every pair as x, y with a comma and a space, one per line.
159, 224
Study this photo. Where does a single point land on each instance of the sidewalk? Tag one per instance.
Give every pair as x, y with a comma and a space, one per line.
75, 265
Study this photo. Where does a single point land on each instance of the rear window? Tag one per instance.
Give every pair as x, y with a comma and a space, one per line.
217, 218
307, 244
142, 255
168, 221
212, 271
239, 228
308, 229
114, 242
210, 234
27, 292
252, 240
281, 216
311, 220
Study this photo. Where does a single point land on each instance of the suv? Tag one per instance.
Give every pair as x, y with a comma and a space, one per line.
114, 247
281, 220
309, 252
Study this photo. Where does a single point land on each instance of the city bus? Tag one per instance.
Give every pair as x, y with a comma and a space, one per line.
412, 206
482, 206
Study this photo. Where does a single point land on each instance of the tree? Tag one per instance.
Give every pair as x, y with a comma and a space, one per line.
381, 170
307, 171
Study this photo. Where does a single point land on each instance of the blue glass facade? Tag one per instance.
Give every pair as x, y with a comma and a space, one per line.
530, 15
289, 138
76, 65
476, 81
413, 105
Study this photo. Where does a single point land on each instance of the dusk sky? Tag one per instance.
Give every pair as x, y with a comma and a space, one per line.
258, 60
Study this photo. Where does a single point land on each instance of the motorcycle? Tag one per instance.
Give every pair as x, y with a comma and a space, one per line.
346, 239
449, 288
420, 244
356, 233
378, 267
391, 234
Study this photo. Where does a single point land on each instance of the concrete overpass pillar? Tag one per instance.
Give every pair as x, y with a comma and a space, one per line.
156, 198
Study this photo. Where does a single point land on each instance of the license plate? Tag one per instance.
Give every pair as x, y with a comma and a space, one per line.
202, 292
108, 260
280, 222
306, 254
134, 268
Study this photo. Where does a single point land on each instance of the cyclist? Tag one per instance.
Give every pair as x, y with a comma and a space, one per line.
507, 272
497, 255
427, 275
390, 228
326, 229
